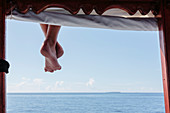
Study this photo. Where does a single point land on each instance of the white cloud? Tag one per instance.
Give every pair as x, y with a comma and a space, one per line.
24, 82
25, 79
59, 83
38, 81
21, 84
57, 86
48, 88
90, 82
28, 82
36, 85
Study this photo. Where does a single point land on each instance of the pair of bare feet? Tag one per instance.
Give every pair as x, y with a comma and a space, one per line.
51, 52
51, 49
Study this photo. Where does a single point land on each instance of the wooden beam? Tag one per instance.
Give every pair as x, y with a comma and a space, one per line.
164, 37
73, 6
2, 56
165, 76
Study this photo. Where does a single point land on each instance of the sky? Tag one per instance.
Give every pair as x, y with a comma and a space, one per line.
95, 60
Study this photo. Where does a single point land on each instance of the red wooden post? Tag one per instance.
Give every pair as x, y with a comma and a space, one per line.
2, 56
164, 34
165, 71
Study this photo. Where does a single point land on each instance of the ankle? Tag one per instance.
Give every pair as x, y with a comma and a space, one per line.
50, 42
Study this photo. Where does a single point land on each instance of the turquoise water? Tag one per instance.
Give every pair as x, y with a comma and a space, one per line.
85, 103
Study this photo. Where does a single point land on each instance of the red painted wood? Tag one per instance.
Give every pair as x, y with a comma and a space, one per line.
2, 56
164, 34
165, 76
100, 6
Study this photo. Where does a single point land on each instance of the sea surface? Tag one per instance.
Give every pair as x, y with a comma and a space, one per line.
85, 103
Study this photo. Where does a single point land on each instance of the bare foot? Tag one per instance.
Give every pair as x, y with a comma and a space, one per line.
48, 66
48, 50
59, 50
59, 53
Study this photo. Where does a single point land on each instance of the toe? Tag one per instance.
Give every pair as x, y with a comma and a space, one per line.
59, 68
45, 69
51, 71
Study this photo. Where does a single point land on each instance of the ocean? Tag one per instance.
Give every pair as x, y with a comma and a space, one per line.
85, 103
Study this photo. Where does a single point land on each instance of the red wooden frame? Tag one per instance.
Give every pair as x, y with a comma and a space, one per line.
159, 8
73, 6
2, 56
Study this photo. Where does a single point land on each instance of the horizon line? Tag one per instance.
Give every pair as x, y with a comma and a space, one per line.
73, 92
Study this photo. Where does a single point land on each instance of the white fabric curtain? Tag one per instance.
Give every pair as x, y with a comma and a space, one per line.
116, 19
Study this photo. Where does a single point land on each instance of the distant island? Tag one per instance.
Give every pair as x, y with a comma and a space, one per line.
112, 92
53, 93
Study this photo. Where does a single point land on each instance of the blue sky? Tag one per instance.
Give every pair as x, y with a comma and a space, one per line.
95, 60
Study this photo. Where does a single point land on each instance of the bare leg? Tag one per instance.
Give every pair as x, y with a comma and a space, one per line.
44, 28
48, 48
59, 49
48, 67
